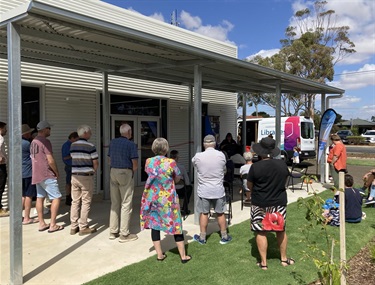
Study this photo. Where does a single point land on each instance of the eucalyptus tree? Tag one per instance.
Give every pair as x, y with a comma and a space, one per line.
314, 44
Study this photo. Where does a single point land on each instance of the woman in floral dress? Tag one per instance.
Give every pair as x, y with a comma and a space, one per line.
160, 207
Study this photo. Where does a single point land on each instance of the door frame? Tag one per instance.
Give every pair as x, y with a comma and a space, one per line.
136, 137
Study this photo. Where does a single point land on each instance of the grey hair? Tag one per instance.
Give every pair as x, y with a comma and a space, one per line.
125, 128
248, 156
83, 129
210, 144
160, 146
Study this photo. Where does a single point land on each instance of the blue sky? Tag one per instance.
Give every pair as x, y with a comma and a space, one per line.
256, 27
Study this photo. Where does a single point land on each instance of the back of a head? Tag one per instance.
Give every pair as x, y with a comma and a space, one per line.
173, 154
248, 156
335, 137
349, 181
82, 129
209, 141
124, 129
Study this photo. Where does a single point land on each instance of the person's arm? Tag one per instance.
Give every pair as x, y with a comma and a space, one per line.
52, 164
135, 164
95, 164
250, 185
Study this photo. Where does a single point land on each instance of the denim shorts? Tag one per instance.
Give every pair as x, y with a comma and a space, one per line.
204, 205
48, 187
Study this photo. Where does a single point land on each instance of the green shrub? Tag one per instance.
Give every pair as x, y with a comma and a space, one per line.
356, 140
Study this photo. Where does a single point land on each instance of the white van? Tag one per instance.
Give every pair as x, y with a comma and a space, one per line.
295, 131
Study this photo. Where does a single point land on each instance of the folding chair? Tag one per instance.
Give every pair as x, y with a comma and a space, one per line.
292, 175
184, 194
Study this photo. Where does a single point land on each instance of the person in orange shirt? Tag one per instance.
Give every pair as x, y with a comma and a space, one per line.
337, 159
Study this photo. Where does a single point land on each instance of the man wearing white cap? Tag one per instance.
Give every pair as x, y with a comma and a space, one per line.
28, 189
45, 175
211, 167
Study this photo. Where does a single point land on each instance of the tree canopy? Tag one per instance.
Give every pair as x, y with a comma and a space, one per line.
311, 48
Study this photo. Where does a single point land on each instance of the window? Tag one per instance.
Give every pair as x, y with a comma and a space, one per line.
307, 130
30, 105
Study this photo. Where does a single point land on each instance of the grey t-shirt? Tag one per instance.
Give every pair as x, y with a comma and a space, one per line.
210, 166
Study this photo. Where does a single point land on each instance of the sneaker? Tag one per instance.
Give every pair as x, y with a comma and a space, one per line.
198, 239
226, 240
369, 202
4, 213
87, 231
129, 237
113, 236
74, 231
362, 192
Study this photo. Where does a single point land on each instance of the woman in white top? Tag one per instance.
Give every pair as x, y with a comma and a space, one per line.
244, 170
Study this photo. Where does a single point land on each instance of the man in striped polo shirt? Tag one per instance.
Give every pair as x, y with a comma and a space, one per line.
84, 165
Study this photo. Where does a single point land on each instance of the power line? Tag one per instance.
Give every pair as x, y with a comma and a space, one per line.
355, 72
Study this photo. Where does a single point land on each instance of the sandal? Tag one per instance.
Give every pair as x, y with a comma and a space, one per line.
161, 259
263, 267
287, 262
187, 259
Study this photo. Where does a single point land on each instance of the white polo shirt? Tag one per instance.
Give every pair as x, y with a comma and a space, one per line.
211, 168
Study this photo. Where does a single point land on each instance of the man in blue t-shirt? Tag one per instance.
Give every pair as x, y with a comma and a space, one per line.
67, 159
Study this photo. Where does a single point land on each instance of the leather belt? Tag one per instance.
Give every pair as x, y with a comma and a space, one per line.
83, 174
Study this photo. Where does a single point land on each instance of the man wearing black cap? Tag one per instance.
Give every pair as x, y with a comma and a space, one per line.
45, 175
210, 166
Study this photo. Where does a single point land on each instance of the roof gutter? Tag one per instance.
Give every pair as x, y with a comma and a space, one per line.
329, 97
14, 15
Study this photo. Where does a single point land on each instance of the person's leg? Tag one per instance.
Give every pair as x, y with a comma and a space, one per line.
179, 239
27, 202
68, 185
126, 191
76, 203
52, 189
262, 244
335, 176
3, 180
203, 222
39, 210
282, 241
86, 194
115, 203
155, 237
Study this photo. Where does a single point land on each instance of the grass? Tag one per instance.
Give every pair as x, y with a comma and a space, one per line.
235, 263
360, 162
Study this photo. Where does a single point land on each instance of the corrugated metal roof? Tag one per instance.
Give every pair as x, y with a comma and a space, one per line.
73, 34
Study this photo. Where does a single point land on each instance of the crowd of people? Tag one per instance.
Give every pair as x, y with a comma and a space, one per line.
160, 211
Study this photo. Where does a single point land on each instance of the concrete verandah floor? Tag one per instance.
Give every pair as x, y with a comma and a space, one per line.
59, 258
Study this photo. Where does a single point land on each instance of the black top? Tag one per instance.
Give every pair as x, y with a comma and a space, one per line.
353, 204
269, 177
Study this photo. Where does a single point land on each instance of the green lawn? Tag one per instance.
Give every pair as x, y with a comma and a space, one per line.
360, 162
235, 263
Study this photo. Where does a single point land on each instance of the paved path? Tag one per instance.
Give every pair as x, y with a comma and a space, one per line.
58, 258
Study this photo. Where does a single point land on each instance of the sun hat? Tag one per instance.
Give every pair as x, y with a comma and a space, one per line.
26, 129
209, 139
43, 125
266, 148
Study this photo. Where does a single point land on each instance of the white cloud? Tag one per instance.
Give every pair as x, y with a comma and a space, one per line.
158, 16
355, 79
218, 32
263, 53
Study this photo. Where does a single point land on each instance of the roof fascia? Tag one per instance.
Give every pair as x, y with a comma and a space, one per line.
14, 15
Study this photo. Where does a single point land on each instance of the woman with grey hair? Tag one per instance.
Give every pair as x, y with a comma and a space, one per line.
160, 207
244, 170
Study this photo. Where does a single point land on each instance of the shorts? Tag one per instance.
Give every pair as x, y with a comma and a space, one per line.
28, 189
267, 219
68, 171
48, 187
204, 205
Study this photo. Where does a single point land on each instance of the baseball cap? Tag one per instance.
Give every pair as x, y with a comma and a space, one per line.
43, 125
26, 129
209, 139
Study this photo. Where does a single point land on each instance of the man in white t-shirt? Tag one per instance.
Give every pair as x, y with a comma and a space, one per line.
211, 168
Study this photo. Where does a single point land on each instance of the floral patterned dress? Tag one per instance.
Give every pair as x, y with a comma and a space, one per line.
160, 207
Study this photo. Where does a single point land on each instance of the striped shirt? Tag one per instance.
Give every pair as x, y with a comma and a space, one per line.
83, 153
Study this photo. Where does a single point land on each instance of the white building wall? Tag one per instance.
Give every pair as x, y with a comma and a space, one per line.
59, 83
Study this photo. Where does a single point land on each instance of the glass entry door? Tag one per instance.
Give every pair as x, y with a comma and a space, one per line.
145, 131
